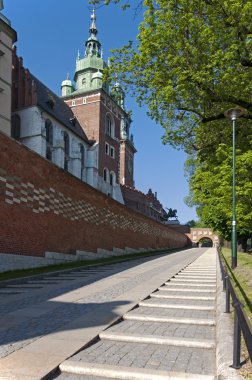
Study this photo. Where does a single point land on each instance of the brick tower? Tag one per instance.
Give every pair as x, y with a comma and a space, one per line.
101, 113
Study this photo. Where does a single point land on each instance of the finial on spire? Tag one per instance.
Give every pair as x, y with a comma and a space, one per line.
93, 19
78, 55
68, 76
1, 5
93, 15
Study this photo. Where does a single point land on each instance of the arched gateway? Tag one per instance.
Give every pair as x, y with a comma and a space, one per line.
203, 237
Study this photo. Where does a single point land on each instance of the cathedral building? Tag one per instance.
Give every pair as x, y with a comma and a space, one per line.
7, 37
85, 131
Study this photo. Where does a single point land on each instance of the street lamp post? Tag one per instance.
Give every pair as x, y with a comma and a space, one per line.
233, 114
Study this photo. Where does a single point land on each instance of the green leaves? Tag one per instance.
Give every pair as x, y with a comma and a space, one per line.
192, 60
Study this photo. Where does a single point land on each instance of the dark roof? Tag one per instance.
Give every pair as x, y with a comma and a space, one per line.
56, 107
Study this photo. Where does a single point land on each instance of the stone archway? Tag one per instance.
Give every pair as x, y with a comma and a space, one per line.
202, 234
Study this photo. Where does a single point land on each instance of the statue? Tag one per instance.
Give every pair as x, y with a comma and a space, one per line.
1, 5
172, 213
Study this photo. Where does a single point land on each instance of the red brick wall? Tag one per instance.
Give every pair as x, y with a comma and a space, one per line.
43, 208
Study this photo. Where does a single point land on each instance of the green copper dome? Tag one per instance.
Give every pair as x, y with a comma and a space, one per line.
87, 68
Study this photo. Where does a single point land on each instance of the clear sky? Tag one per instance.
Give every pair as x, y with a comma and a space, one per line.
50, 32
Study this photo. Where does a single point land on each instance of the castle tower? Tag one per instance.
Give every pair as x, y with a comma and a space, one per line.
102, 115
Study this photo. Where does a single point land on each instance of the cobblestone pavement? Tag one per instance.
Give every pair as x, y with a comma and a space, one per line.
174, 344
32, 308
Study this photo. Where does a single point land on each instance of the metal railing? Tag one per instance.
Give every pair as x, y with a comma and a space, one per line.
241, 322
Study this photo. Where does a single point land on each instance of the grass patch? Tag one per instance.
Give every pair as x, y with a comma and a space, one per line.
15, 274
241, 278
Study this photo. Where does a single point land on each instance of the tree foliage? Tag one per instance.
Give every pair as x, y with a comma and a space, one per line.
192, 60
211, 186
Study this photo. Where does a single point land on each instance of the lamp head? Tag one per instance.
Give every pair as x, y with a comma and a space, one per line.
234, 113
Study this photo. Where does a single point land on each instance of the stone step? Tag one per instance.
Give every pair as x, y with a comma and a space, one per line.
184, 290
178, 320
191, 280
171, 296
173, 313
195, 285
160, 340
196, 276
166, 330
126, 373
151, 303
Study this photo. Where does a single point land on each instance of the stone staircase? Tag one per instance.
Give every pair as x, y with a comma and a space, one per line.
170, 335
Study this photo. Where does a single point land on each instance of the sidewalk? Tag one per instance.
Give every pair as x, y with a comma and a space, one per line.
82, 312
168, 329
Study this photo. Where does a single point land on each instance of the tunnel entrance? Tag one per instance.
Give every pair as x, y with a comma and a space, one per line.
205, 242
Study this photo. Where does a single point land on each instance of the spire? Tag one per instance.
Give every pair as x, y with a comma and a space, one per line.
92, 28
93, 46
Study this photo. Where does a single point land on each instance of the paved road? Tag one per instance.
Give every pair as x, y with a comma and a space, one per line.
43, 321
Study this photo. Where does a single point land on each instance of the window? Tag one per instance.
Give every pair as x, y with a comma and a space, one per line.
66, 150
105, 175
82, 152
73, 103
15, 127
109, 125
112, 178
107, 148
49, 139
112, 152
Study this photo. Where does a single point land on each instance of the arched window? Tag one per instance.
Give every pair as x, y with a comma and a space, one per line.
82, 152
112, 178
105, 175
66, 150
15, 126
49, 139
109, 125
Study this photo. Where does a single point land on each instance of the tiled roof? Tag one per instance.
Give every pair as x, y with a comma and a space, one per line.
57, 108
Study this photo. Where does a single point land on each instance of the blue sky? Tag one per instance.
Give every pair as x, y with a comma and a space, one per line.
50, 32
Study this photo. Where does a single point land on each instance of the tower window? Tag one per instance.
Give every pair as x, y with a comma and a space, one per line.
66, 150
49, 139
109, 126
112, 152
105, 175
107, 148
112, 178
15, 127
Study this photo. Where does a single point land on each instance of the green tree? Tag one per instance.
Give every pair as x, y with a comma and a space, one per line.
192, 61
211, 186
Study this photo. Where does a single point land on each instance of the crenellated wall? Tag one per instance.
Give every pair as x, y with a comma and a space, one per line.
43, 208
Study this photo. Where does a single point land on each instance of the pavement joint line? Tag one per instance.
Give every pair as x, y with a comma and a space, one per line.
160, 340
147, 318
171, 296
176, 306
126, 373
173, 289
